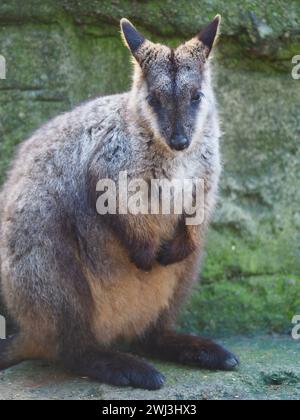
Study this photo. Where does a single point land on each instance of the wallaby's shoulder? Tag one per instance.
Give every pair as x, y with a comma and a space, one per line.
69, 134
96, 113
61, 149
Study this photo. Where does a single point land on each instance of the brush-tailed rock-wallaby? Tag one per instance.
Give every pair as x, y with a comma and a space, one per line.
78, 283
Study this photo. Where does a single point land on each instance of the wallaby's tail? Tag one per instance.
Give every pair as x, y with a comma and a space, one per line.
9, 352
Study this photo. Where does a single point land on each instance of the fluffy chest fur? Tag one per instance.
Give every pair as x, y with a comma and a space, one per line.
125, 308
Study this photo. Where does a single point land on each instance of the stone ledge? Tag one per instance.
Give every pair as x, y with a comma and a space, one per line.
262, 30
269, 371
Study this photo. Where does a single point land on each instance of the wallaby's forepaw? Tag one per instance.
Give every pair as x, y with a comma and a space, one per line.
174, 251
143, 257
168, 255
178, 248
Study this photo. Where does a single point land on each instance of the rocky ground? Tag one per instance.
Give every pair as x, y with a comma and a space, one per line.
270, 370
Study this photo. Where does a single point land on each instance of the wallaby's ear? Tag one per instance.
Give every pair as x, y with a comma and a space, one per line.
132, 37
209, 34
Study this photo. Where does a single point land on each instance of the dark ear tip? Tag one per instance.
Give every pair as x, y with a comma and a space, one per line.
214, 25
218, 19
133, 38
209, 34
124, 23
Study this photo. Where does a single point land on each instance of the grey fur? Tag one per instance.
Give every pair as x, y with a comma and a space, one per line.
51, 237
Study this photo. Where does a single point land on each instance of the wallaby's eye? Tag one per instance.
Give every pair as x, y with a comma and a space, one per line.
153, 101
197, 96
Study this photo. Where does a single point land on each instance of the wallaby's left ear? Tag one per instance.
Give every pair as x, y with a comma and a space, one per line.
209, 35
132, 37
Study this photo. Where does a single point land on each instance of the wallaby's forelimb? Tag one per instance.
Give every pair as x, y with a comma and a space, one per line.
138, 237
180, 247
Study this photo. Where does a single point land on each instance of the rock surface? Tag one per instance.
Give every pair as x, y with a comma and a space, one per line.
61, 52
269, 370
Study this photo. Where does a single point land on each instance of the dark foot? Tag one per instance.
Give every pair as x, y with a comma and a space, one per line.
9, 352
191, 350
209, 355
121, 369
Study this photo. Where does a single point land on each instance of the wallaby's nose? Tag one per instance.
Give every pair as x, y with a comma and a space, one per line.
179, 142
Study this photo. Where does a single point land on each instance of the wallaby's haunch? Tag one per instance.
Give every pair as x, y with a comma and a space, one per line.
78, 283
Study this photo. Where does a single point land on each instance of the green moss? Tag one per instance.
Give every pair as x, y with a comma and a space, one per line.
230, 255
50, 69
244, 305
261, 30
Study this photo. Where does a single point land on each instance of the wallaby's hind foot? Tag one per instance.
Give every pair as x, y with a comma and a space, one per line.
119, 369
9, 352
191, 350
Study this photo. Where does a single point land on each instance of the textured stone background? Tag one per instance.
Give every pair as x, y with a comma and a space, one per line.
61, 52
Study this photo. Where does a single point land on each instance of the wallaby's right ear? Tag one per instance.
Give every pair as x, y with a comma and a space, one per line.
209, 34
132, 37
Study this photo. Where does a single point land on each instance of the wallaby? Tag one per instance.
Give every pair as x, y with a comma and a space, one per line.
80, 284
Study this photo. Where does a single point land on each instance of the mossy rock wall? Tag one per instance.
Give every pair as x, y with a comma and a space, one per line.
59, 53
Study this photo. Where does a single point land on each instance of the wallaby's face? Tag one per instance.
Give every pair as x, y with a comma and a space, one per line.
171, 86
174, 93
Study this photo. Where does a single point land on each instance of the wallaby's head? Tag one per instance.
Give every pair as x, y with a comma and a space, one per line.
172, 91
